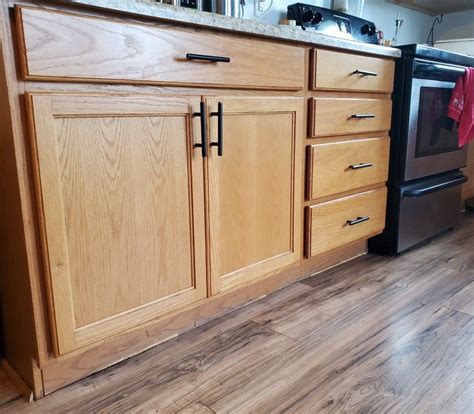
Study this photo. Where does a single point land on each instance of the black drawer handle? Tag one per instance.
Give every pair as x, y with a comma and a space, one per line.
364, 73
208, 58
360, 166
220, 129
202, 115
420, 192
358, 220
362, 116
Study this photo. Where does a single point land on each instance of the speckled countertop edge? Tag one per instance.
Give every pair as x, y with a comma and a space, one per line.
232, 24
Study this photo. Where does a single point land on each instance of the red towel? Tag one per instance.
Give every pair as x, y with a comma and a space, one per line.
461, 106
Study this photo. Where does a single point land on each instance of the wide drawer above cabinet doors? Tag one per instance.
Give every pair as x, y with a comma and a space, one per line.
344, 71
342, 116
60, 46
334, 223
337, 167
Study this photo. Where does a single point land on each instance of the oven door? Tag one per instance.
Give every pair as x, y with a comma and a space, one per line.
432, 139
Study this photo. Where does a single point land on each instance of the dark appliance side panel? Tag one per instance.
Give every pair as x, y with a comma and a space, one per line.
400, 118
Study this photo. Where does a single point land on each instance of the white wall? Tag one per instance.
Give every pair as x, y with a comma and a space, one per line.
456, 26
415, 27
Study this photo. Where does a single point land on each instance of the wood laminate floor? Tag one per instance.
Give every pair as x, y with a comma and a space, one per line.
375, 335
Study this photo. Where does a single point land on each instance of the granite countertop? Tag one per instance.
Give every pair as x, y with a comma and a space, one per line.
209, 20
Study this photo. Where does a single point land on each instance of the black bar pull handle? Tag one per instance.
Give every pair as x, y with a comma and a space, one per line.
358, 220
220, 129
202, 115
362, 116
360, 166
420, 192
364, 73
207, 58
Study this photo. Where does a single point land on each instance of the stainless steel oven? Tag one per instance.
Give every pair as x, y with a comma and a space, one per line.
425, 180
432, 140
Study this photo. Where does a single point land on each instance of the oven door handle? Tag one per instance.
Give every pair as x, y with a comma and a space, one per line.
419, 192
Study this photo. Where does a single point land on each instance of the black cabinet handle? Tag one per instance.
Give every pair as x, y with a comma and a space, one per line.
420, 192
208, 58
360, 166
202, 115
364, 73
362, 116
220, 129
357, 220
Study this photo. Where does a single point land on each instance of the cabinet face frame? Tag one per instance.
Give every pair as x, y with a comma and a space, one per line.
43, 109
245, 106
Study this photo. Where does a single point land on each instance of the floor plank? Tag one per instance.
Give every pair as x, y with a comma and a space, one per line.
337, 348
463, 301
380, 334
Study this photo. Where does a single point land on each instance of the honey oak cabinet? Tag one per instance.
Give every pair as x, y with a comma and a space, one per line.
121, 200
254, 188
120, 185
155, 173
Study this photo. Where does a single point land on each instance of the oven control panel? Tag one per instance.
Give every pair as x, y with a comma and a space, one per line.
332, 23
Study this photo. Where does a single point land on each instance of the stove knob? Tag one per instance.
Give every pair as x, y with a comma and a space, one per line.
307, 16
317, 18
368, 29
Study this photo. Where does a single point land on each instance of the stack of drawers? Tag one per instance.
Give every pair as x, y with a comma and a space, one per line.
347, 151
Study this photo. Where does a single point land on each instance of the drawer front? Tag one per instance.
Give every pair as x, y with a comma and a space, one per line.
59, 46
342, 166
340, 116
343, 71
335, 223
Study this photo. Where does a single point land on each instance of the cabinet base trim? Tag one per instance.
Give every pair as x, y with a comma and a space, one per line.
18, 382
70, 368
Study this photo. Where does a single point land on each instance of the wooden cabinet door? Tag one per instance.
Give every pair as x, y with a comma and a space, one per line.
254, 189
121, 206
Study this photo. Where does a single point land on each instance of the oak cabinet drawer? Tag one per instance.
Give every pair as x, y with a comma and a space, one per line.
60, 46
344, 71
342, 166
338, 222
342, 116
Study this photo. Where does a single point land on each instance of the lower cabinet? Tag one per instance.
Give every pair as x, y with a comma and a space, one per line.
121, 194
254, 189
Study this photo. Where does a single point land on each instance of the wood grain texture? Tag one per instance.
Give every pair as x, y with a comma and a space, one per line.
329, 166
391, 347
8, 390
331, 70
20, 385
255, 189
463, 301
25, 264
121, 192
333, 116
60, 46
327, 223
71, 367
24, 317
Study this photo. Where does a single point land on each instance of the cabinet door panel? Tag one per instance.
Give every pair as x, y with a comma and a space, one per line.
121, 197
254, 189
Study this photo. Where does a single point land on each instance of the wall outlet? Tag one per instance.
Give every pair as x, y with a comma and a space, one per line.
260, 6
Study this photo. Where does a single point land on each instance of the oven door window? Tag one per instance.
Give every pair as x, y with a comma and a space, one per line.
436, 133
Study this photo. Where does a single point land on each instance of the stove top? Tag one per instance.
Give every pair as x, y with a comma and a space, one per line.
332, 23
439, 55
